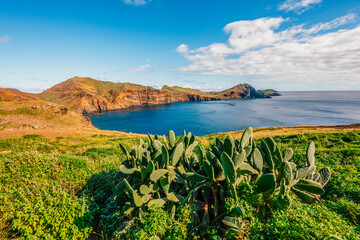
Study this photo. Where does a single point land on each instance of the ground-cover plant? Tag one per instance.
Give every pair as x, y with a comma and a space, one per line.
343, 157
41, 182
36, 204
81, 173
157, 223
169, 174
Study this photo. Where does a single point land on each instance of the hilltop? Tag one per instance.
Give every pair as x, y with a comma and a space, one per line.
25, 113
86, 95
14, 95
240, 91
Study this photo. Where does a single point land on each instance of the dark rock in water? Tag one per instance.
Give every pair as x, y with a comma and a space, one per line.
268, 93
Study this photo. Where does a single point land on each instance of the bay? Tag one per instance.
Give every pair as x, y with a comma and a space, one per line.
202, 118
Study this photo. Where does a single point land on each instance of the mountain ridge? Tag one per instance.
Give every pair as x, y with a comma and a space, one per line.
15, 95
87, 95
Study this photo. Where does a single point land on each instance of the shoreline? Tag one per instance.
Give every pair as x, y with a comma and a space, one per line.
86, 114
259, 132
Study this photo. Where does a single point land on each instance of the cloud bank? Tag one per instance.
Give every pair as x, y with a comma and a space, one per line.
136, 2
298, 6
141, 68
320, 53
5, 39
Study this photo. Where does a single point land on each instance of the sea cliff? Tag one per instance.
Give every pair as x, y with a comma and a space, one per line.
88, 95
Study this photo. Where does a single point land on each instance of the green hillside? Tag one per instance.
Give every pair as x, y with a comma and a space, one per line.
181, 90
64, 188
89, 85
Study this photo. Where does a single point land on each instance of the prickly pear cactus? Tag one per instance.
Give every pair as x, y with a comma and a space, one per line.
149, 170
171, 170
302, 180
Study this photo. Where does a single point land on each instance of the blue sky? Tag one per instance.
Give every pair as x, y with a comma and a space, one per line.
204, 44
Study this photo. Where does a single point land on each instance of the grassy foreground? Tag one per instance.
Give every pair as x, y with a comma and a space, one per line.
63, 188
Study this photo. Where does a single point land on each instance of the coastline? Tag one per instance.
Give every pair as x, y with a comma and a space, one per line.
259, 132
88, 95
143, 107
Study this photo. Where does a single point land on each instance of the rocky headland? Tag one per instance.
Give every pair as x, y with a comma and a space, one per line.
87, 95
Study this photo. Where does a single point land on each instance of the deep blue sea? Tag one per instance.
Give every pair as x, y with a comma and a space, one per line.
202, 118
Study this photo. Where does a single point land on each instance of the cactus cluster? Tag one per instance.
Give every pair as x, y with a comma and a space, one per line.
221, 169
149, 171
168, 173
280, 175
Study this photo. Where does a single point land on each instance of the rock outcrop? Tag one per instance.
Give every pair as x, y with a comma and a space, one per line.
240, 91
269, 92
88, 95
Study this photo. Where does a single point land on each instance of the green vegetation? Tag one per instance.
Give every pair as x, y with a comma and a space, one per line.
20, 111
88, 85
52, 97
268, 92
181, 91
61, 188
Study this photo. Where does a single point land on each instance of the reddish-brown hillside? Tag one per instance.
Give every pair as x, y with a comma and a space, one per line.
239, 91
24, 113
89, 95
14, 95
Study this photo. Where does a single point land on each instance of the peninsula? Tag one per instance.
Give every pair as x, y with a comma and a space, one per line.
87, 95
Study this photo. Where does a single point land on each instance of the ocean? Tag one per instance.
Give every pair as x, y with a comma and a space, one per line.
202, 118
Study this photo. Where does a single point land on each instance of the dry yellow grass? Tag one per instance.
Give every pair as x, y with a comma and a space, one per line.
279, 131
53, 120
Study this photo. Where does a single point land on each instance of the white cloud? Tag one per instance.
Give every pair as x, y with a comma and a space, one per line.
204, 87
320, 53
351, 17
182, 48
298, 6
5, 39
141, 68
137, 2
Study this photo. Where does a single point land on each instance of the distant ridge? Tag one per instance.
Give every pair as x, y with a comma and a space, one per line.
14, 95
86, 95
26, 113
